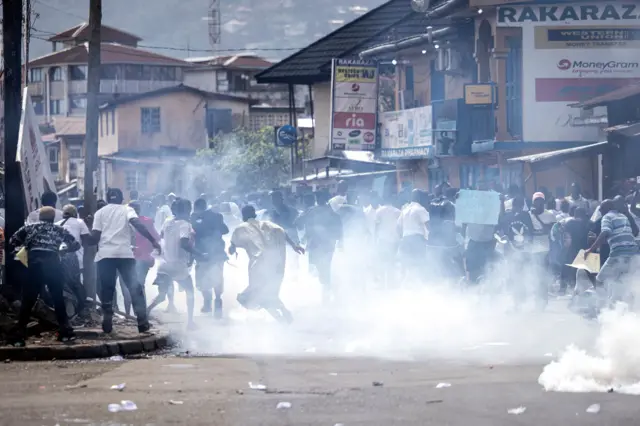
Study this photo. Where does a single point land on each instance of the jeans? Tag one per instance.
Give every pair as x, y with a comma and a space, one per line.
44, 268
612, 276
108, 270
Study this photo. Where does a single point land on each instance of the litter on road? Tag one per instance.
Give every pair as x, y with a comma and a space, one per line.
283, 405
257, 386
378, 384
172, 402
443, 385
517, 411
119, 387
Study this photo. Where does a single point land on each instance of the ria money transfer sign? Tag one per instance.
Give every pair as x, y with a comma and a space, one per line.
571, 53
354, 104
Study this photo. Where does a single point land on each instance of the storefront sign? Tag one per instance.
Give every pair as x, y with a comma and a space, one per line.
354, 104
478, 94
571, 53
624, 11
407, 133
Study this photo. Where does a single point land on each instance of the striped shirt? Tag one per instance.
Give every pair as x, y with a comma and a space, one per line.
620, 238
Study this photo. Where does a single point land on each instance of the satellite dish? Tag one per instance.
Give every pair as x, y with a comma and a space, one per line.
420, 6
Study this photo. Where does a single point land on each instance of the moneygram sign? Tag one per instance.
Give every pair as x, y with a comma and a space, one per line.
354, 104
595, 67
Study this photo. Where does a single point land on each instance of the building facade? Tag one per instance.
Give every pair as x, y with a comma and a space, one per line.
146, 140
58, 81
497, 79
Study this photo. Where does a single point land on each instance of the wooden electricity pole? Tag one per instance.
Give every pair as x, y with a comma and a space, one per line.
12, 86
91, 139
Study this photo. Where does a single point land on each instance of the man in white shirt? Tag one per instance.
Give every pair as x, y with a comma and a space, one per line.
163, 212
341, 196
72, 262
48, 199
413, 226
177, 258
112, 231
386, 238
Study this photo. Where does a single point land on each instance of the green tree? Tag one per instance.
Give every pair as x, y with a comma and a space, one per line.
243, 160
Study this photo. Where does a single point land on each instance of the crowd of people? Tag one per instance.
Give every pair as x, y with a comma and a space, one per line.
410, 236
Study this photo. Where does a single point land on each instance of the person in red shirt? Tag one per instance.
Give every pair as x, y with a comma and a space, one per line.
143, 249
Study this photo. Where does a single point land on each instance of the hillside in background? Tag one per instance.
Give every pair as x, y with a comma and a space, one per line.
179, 24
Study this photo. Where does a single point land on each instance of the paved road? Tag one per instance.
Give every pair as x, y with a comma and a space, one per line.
322, 392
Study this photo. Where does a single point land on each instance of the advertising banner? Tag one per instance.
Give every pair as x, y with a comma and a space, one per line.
477, 207
407, 133
572, 53
354, 104
36, 173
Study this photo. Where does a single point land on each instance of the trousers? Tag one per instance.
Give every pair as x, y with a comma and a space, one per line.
108, 270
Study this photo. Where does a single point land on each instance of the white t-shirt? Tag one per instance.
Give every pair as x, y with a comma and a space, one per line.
337, 202
34, 217
541, 238
117, 236
173, 231
412, 220
162, 214
386, 220
370, 217
76, 227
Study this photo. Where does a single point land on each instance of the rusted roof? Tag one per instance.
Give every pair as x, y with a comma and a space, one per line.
237, 61
81, 31
536, 158
613, 96
175, 89
69, 126
110, 53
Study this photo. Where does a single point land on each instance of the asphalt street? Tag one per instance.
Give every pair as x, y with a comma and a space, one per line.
320, 391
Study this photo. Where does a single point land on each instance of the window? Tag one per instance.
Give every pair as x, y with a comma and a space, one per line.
53, 159
78, 72
55, 74
150, 120
109, 72
54, 107
38, 105
136, 180
35, 74
75, 152
133, 72
78, 102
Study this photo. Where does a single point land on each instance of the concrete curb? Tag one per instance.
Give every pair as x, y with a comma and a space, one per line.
101, 349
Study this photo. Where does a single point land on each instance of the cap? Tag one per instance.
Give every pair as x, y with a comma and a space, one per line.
538, 195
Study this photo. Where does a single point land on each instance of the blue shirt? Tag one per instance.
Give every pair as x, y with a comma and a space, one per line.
620, 238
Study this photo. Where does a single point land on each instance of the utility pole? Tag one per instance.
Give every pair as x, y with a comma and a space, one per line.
91, 139
27, 39
12, 85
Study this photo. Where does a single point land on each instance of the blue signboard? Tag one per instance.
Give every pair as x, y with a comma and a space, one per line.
286, 135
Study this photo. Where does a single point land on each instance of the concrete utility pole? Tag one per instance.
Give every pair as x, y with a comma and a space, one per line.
12, 52
91, 139
27, 37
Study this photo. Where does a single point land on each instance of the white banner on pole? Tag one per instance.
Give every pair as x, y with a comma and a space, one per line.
34, 167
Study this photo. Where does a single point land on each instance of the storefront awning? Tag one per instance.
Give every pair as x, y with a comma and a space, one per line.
561, 154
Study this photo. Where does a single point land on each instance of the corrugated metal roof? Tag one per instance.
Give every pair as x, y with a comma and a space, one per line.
70, 126
535, 158
391, 21
628, 129
110, 53
615, 95
81, 31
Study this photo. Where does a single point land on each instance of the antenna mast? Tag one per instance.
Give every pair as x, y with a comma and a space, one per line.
214, 24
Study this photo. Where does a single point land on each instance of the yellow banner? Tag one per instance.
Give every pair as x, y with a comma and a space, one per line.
355, 74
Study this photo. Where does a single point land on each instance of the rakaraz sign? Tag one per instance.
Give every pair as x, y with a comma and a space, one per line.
587, 12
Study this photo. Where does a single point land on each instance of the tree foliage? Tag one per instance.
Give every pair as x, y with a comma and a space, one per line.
243, 160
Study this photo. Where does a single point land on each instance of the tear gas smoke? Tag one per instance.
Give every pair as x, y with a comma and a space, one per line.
433, 319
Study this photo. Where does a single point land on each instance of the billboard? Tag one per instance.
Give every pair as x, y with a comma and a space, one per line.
407, 133
571, 53
354, 104
34, 166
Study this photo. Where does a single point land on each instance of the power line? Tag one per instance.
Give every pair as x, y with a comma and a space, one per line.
146, 54
66, 12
